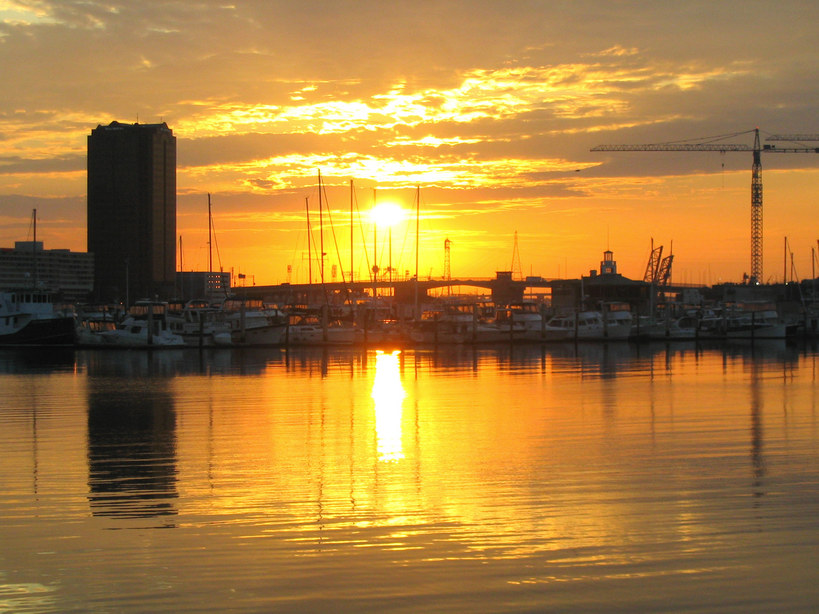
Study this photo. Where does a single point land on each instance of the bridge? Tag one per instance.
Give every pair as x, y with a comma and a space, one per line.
503, 289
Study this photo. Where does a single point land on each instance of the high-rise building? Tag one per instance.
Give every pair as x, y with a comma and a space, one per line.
132, 210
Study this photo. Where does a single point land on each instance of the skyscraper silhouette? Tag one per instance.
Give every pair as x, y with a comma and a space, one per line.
132, 210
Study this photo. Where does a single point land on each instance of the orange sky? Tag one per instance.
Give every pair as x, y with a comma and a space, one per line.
490, 108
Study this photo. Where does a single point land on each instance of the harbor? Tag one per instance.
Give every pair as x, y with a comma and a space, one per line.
401, 307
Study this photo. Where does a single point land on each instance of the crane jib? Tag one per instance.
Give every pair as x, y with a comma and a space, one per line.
756, 174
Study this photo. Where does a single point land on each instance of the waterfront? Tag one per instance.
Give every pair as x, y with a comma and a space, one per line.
588, 478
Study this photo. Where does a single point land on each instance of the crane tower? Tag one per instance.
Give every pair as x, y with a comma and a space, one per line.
713, 144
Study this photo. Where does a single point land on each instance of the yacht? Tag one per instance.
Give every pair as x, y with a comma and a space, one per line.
144, 326
200, 324
30, 317
252, 323
589, 326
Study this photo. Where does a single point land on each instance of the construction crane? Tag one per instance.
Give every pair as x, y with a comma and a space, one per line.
794, 138
714, 144
658, 270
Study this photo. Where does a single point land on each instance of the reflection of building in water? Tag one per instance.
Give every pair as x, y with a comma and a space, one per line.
388, 394
131, 449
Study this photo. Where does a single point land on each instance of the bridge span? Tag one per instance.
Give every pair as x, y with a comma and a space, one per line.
502, 289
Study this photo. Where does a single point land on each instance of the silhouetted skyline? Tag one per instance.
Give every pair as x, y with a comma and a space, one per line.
491, 108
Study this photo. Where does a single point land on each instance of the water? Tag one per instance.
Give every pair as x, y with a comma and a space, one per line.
614, 478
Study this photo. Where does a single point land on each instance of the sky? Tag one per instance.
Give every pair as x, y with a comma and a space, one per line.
476, 117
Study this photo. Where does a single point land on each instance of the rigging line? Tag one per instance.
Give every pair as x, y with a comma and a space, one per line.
407, 229
313, 254
321, 248
363, 235
335, 240
216, 243
31, 223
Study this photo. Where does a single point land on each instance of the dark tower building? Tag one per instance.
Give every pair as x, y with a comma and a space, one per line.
132, 210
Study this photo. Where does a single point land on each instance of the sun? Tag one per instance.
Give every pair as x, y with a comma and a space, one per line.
387, 214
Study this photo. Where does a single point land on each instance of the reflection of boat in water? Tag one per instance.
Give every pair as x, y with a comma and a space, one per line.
29, 317
145, 325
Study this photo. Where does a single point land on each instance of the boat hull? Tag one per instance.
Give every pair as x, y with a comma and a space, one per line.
43, 331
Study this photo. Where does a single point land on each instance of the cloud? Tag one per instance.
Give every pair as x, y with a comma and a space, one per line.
476, 97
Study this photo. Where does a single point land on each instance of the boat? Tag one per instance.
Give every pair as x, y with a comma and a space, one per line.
144, 326
741, 324
30, 317
764, 324
665, 328
387, 332
318, 327
589, 326
431, 331
200, 324
252, 323
527, 321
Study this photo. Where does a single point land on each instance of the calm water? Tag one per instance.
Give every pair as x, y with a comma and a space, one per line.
593, 479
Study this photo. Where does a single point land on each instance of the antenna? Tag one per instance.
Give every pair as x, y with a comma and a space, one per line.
516, 268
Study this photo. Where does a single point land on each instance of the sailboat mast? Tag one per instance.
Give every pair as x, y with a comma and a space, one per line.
309, 253
210, 236
34, 246
352, 262
321, 229
375, 251
417, 242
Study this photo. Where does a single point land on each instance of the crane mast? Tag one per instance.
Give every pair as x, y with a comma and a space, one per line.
756, 174
756, 214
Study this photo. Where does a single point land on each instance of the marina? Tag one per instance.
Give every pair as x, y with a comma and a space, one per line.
478, 314
240, 322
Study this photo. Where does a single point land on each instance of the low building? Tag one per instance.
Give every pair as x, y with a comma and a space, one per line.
27, 264
202, 285
608, 286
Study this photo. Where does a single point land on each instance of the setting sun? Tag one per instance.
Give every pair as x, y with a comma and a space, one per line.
387, 214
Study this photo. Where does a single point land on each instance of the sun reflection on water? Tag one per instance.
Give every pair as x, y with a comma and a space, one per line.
388, 394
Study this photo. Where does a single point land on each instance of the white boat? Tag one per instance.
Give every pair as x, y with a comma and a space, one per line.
144, 326
449, 324
667, 329
380, 332
431, 331
200, 324
764, 324
589, 326
308, 328
29, 317
528, 321
252, 323
742, 324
